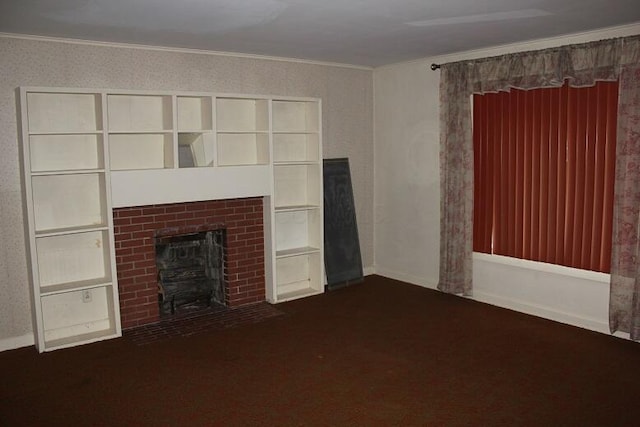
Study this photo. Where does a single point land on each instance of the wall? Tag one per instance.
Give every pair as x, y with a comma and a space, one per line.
407, 199
407, 176
346, 92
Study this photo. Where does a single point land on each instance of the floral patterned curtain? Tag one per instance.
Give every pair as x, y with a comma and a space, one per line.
456, 181
624, 300
582, 65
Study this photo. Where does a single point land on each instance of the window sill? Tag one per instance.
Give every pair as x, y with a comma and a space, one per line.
543, 267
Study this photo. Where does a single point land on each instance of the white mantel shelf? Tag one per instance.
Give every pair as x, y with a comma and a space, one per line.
158, 186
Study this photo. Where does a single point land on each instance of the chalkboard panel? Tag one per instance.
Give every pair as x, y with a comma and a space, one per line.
343, 263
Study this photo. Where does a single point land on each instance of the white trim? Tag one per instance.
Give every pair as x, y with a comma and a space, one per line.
368, 271
17, 342
182, 93
517, 305
179, 50
374, 199
174, 185
546, 313
541, 311
543, 267
407, 278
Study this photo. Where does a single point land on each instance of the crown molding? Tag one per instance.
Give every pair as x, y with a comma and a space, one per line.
180, 50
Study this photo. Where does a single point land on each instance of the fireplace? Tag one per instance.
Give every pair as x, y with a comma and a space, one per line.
190, 271
138, 229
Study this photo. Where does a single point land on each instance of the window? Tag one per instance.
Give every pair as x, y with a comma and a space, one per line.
544, 163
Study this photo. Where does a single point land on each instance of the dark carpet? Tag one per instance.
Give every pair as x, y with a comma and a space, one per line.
379, 353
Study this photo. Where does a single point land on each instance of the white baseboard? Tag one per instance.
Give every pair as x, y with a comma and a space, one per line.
515, 305
368, 271
572, 319
403, 277
16, 342
541, 311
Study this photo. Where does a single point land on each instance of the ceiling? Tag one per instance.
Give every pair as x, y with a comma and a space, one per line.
358, 32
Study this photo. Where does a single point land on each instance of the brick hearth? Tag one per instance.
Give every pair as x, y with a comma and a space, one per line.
135, 229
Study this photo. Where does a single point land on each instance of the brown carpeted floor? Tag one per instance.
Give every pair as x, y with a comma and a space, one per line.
379, 353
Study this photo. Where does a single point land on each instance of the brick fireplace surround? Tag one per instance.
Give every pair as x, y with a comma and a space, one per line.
135, 229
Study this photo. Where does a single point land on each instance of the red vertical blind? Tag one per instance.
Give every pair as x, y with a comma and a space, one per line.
544, 174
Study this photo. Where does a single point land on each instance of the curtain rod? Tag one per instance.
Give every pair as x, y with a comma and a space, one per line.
435, 67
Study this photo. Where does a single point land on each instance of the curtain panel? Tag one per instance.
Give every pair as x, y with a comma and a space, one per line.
624, 299
582, 65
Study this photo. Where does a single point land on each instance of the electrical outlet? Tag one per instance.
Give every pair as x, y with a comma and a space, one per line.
86, 295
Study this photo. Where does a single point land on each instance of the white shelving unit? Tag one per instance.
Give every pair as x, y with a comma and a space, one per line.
196, 142
140, 131
80, 146
297, 199
69, 216
242, 131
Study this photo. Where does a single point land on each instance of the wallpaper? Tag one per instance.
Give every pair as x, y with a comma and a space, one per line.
346, 93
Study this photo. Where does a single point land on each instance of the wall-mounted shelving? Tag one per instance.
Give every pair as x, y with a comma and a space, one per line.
69, 215
298, 231
195, 113
75, 141
130, 151
73, 260
297, 186
297, 198
71, 152
140, 131
196, 142
242, 131
68, 201
296, 116
299, 276
139, 113
296, 148
51, 113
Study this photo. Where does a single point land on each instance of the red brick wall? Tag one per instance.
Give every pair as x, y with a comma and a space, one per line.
136, 227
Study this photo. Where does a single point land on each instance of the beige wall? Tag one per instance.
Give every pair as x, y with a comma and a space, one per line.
347, 96
407, 176
407, 199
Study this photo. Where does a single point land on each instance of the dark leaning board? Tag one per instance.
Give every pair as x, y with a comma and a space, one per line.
342, 259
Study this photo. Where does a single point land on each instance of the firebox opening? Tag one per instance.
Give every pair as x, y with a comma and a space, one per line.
190, 271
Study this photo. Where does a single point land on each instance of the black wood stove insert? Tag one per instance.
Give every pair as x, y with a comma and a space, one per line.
190, 271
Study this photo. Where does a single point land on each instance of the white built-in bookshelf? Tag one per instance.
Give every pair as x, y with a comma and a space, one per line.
69, 216
297, 198
89, 151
